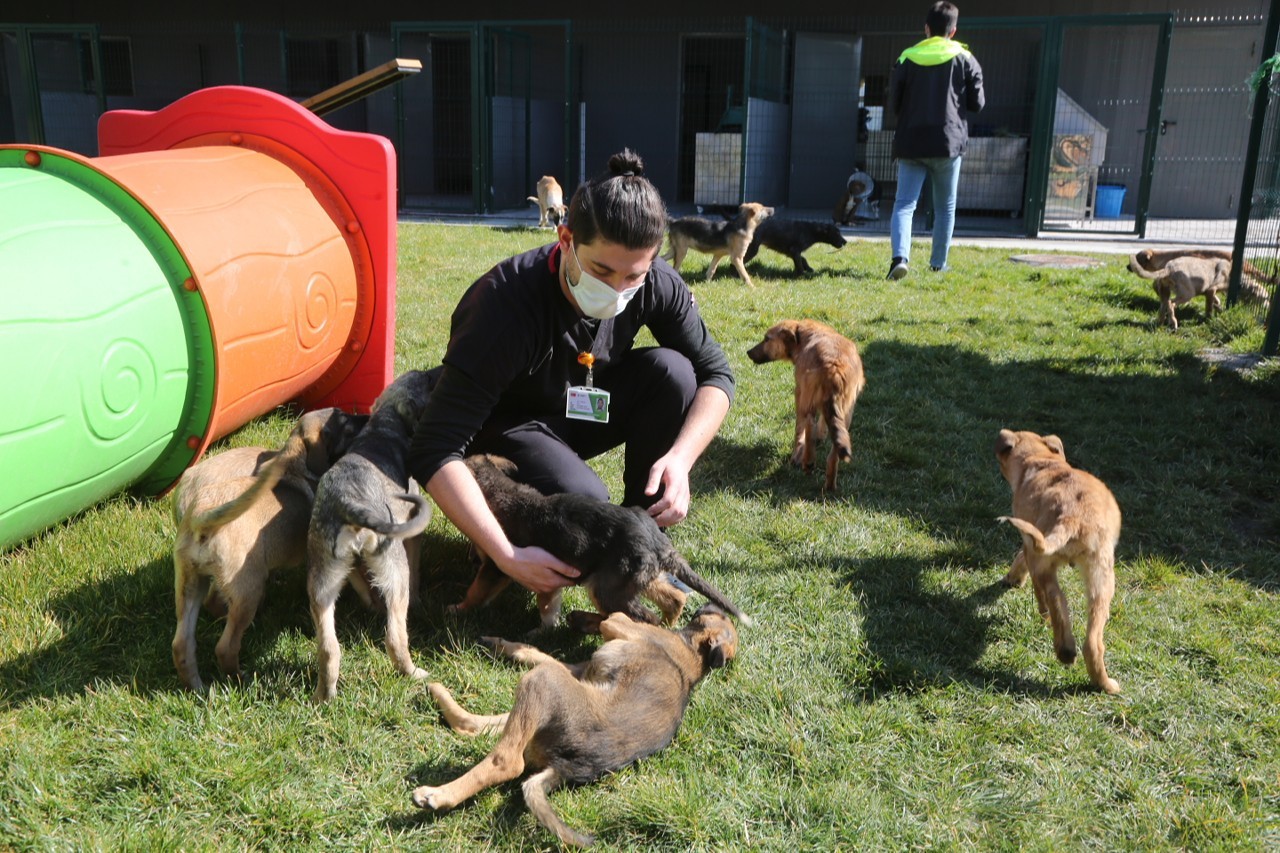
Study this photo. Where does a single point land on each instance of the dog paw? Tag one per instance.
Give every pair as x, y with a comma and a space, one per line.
427, 797
454, 609
1067, 655
1110, 685
418, 674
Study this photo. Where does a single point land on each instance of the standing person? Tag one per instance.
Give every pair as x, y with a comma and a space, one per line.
540, 369
935, 84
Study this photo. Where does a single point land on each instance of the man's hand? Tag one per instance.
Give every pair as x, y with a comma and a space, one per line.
673, 476
539, 571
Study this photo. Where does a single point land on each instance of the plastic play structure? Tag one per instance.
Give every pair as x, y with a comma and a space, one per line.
225, 255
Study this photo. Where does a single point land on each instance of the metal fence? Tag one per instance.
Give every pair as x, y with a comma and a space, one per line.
1257, 237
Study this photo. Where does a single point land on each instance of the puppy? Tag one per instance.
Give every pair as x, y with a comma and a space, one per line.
1186, 275
1181, 280
621, 552
860, 200
1066, 516
792, 238
240, 515
829, 378
575, 723
369, 515
550, 201
718, 239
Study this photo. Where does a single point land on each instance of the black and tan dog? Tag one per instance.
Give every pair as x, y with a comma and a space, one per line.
621, 552
550, 201
829, 377
794, 237
1066, 517
575, 723
729, 239
240, 515
369, 516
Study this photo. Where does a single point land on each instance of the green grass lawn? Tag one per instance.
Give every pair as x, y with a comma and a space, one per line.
890, 694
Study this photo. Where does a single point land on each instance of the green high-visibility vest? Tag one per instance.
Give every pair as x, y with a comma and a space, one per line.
934, 51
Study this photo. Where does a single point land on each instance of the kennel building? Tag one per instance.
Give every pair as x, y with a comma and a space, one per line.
1106, 121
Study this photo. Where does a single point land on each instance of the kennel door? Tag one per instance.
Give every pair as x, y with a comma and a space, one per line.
824, 118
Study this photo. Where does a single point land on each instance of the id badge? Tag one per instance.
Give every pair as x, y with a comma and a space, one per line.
587, 404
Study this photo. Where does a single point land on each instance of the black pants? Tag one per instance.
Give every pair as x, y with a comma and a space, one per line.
651, 391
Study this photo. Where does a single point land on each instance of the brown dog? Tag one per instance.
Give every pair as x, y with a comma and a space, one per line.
828, 380
550, 201
1066, 516
574, 723
240, 515
621, 552
729, 239
1179, 276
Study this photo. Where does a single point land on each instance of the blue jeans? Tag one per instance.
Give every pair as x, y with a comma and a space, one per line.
944, 174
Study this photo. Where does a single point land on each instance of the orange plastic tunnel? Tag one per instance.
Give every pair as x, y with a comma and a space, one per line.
224, 256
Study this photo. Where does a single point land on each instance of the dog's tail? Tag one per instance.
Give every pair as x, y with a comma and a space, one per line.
221, 516
1134, 266
1034, 539
536, 788
680, 567
839, 430
533, 198
410, 527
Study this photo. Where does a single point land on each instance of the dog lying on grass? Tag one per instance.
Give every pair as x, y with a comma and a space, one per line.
729, 239
829, 378
368, 516
575, 723
1066, 517
793, 238
240, 515
621, 552
1178, 276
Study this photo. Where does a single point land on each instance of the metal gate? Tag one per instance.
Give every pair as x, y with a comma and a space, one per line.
493, 117
1091, 169
51, 89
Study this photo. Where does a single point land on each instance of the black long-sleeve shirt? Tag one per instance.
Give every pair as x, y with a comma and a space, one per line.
932, 104
514, 344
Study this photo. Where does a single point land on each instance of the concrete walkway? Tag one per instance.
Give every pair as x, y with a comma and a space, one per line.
982, 231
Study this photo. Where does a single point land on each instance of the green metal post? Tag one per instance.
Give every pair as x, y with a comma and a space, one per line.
1247, 181
1041, 141
1153, 123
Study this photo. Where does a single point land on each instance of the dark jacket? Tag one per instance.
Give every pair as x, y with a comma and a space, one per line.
514, 345
932, 104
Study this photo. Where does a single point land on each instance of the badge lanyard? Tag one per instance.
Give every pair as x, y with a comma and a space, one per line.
586, 402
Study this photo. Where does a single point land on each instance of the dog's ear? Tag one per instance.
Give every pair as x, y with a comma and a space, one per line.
1055, 444
1005, 441
718, 647
503, 464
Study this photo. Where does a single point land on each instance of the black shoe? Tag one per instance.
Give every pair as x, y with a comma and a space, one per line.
897, 269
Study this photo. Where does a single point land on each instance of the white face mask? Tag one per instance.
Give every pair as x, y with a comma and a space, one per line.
594, 297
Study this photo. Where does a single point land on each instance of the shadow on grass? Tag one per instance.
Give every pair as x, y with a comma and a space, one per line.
1189, 455
118, 631
920, 639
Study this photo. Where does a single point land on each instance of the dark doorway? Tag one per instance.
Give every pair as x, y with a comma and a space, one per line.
710, 97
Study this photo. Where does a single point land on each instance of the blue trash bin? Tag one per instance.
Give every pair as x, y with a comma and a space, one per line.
1109, 201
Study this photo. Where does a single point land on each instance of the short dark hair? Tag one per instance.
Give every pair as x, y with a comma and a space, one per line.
621, 206
942, 18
